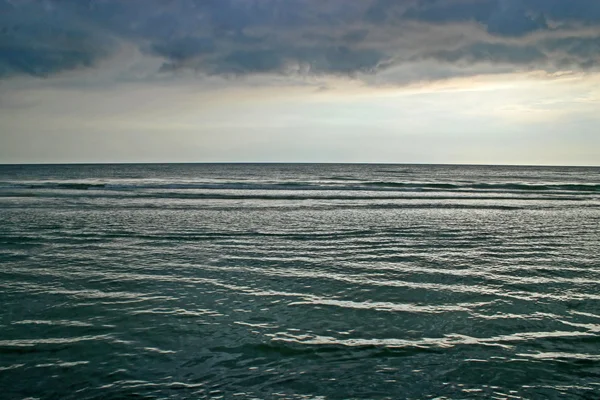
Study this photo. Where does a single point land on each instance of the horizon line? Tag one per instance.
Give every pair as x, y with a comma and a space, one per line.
293, 163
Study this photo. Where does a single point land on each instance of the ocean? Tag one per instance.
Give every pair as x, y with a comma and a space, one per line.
299, 281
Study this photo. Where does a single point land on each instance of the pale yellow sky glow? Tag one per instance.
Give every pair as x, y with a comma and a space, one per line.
509, 118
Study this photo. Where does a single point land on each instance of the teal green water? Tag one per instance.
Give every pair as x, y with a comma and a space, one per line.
299, 282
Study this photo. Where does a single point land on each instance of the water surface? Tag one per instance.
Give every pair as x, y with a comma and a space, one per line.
299, 282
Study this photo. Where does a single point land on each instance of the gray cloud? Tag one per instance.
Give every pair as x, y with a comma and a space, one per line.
492, 52
314, 37
41, 39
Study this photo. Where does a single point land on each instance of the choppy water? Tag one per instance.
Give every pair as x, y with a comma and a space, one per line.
299, 281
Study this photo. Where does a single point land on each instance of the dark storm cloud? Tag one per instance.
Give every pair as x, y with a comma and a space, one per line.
36, 40
320, 37
503, 18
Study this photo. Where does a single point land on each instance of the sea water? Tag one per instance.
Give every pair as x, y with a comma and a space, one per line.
299, 281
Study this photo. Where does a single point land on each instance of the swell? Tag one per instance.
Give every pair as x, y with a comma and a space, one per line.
509, 186
448, 341
300, 195
362, 280
338, 185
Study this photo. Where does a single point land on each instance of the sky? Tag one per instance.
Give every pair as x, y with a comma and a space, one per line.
390, 81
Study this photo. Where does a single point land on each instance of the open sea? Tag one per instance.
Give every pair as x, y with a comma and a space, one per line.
299, 281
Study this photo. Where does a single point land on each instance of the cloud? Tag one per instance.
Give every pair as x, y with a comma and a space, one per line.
41, 39
492, 52
360, 39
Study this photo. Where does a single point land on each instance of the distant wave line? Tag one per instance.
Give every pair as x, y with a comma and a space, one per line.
317, 185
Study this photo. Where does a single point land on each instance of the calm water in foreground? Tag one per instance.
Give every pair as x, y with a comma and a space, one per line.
299, 282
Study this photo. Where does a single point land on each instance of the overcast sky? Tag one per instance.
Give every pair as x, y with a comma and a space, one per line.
426, 81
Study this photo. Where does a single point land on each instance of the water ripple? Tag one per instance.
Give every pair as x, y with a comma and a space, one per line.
299, 282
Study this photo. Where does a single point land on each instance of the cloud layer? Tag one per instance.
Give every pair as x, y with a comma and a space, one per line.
304, 37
